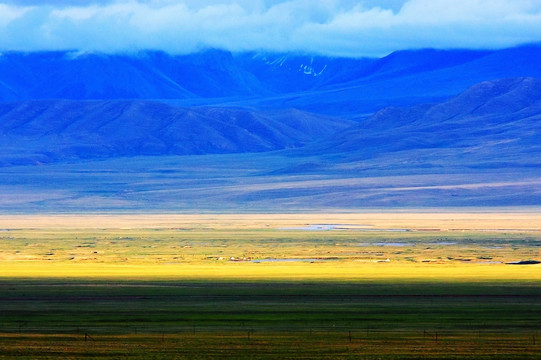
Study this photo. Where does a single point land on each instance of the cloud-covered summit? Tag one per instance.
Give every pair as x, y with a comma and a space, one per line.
330, 27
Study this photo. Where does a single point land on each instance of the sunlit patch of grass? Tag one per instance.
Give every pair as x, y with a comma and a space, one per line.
330, 271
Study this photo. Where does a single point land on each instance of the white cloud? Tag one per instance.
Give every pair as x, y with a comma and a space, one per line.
334, 27
461, 11
11, 13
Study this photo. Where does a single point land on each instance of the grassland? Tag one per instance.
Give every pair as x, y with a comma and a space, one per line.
342, 286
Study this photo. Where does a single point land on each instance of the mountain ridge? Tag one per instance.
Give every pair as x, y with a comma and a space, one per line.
261, 80
502, 115
491, 113
54, 130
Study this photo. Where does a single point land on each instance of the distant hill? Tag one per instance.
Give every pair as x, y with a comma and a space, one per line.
42, 131
147, 75
479, 148
407, 78
493, 124
334, 86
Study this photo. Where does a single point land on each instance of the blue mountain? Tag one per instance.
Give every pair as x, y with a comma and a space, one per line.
493, 124
342, 87
43, 131
269, 131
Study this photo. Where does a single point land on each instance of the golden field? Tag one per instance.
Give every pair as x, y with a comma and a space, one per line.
338, 247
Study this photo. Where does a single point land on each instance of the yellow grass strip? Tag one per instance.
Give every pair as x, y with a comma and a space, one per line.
336, 271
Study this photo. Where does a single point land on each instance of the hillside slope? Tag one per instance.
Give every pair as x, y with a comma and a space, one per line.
52, 130
407, 78
493, 124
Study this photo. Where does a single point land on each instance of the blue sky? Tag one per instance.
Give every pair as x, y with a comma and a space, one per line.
330, 27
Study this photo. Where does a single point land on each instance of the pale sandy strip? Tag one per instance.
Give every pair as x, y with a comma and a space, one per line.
440, 220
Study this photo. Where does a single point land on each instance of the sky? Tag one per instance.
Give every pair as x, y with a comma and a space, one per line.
365, 28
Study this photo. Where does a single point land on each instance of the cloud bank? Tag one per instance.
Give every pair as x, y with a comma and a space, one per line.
331, 27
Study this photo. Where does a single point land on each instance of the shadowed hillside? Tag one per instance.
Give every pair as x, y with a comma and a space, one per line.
50, 130
493, 121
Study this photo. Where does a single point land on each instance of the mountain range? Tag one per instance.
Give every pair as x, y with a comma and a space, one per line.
334, 86
258, 132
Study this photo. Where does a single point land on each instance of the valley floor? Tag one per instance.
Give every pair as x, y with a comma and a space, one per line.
259, 286
262, 182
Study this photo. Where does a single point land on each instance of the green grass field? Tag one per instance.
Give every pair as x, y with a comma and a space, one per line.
186, 319
216, 289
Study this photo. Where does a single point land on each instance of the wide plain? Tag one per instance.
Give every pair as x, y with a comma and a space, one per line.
374, 285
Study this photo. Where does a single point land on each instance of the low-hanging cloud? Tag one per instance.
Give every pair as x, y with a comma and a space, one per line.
331, 27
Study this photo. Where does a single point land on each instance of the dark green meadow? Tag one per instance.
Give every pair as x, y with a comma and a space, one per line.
46, 319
